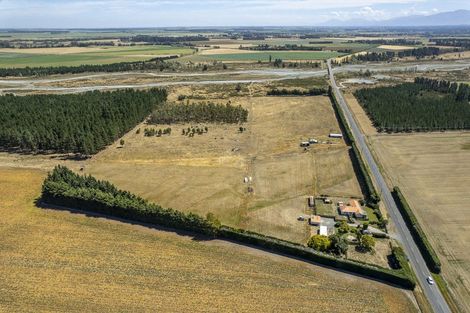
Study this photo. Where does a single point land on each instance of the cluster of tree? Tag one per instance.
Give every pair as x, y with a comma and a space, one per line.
392, 42
191, 131
285, 47
75, 123
430, 256
412, 107
454, 42
65, 188
150, 132
461, 91
304, 64
165, 40
152, 64
418, 53
297, 92
198, 113
335, 244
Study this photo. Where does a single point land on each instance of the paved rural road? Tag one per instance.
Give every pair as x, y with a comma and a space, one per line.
433, 293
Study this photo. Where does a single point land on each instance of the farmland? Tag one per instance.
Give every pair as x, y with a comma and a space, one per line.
73, 56
433, 172
205, 173
263, 56
60, 261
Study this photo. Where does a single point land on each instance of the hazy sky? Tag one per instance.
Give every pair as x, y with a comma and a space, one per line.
155, 13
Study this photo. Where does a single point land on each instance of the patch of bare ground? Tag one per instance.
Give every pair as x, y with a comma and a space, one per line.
433, 172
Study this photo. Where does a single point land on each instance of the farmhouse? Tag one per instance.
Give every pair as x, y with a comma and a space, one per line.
314, 220
353, 209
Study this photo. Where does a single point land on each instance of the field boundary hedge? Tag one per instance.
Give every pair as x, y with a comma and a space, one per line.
297, 250
430, 256
372, 197
65, 188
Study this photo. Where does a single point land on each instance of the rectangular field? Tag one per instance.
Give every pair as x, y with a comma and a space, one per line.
75, 56
264, 56
433, 172
206, 173
67, 262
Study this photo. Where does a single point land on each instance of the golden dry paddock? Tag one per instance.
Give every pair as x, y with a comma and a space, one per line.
206, 173
433, 172
67, 262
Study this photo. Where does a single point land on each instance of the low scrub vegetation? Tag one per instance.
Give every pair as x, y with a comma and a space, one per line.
198, 113
413, 107
417, 232
79, 123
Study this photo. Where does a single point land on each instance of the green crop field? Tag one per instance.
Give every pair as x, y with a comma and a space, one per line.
77, 56
264, 56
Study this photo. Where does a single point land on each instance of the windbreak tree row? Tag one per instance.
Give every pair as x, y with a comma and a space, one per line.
78, 123
413, 107
198, 113
153, 64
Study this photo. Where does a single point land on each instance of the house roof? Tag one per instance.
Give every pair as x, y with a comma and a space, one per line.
315, 219
352, 207
323, 231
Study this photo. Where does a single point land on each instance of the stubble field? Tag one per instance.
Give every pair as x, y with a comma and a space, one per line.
433, 172
67, 262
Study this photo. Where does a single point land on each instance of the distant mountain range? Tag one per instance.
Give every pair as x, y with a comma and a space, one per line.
453, 18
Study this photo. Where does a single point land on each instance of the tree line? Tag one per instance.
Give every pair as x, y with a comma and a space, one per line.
286, 47
66, 188
454, 42
198, 113
165, 40
152, 64
461, 91
297, 92
76, 123
418, 53
392, 42
413, 107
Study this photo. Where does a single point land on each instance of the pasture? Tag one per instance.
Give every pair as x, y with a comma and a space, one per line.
433, 172
68, 262
205, 173
74, 56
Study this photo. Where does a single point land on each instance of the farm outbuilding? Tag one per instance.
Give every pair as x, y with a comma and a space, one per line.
311, 201
334, 135
323, 231
314, 220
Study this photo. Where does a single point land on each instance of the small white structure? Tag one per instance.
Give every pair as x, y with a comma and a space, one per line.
245, 180
305, 144
312, 141
311, 201
333, 135
323, 231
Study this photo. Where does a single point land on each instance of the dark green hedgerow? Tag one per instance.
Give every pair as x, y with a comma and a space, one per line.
372, 196
430, 256
65, 188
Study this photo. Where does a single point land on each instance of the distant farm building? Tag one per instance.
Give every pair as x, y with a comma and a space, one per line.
305, 144
312, 141
352, 209
314, 220
323, 231
333, 135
